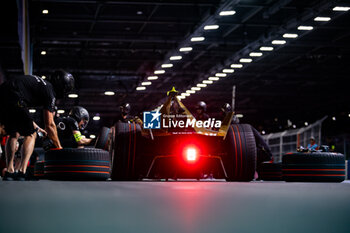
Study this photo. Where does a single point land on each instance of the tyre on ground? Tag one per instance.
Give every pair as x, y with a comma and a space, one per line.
102, 141
270, 171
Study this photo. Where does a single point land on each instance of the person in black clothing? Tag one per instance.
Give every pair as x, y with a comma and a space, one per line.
69, 128
16, 96
201, 109
124, 113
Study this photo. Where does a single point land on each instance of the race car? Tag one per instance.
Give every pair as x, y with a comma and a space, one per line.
174, 145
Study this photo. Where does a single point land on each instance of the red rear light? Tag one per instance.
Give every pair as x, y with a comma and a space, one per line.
191, 154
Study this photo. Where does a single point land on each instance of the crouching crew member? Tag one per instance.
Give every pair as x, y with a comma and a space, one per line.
124, 115
69, 128
16, 96
201, 109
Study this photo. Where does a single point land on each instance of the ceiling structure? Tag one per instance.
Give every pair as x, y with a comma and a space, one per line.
116, 45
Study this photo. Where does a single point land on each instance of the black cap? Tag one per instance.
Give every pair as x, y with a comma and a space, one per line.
62, 82
79, 113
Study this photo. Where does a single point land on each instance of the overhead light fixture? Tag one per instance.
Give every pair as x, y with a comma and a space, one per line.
207, 81
228, 70
263, 132
167, 65
140, 88
225, 13
278, 42
239, 115
190, 91
96, 118
196, 39
255, 54
45, 12
159, 71
201, 85
213, 78
174, 58
341, 8
73, 96
236, 66
146, 83
43, 52
305, 28
152, 78
334, 118
60, 111
211, 27
180, 97
92, 136
322, 19
220, 75
306, 123
109, 93
186, 94
43, 77
245, 60
185, 49
32, 110
195, 88
290, 35
265, 48
139, 12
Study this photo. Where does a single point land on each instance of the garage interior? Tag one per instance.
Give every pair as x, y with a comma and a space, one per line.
282, 64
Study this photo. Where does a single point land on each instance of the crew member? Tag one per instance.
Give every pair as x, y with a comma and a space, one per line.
312, 145
16, 96
69, 128
201, 109
124, 113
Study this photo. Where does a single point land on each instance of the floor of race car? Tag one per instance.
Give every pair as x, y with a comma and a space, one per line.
52, 206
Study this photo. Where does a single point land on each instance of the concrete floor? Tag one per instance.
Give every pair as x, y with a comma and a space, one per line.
84, 207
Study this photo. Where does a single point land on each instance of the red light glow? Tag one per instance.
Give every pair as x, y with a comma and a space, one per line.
191, 154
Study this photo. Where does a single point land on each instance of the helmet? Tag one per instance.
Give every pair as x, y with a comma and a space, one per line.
125, 108
202, 105
312, 138
62, 82
226, 108
79, 113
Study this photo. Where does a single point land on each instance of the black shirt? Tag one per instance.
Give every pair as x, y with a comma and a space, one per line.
32, 91
65, 128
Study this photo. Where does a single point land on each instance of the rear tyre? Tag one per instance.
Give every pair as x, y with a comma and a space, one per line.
240, 162
77, 164
270, 171
313, 167
126, 136
102, 140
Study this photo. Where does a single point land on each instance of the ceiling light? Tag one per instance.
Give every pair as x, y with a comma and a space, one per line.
190, 91
140, 88
45, 12
255, 54
228, 70
334, 118
43, 52
294, 126
208, 82
265, 48
73, 96
201, 85
92, 136
220, 75
152, 78
236, 66
186, 94
96, 118
146, 83
213, 78
225, 13
139, 12
60, 111
341, 8
43, 77
180, 97
195, 88
173, 58
159, 71
263, 132
167, 65
290, 35
211, 27
278, 42
239, 115
185, 49
32, 110
199, 38
109, 93
245, 60
306, 124
305, 28
322, 19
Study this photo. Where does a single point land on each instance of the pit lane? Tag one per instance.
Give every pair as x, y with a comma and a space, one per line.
51, 206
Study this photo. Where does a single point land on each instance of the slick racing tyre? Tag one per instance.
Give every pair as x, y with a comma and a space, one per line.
124, 151
313, 167
270, 171
240, 162
103, 139
39, 170
77, 164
